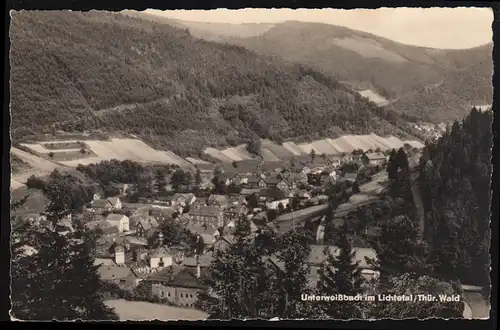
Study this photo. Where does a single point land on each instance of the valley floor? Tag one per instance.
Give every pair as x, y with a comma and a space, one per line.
140, 311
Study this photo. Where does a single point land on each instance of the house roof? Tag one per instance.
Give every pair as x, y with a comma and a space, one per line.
101, 203
205, 232
97, 224
104, 262
179, 276
110, 230
240, 209
205, 260
205, 211
113, 200
115, 217
184, 196
218, 199
375, 156
246, 191
114, 272
254, 179
149, 222
136, 240
160, 252
273, 193
317, 256
274, 179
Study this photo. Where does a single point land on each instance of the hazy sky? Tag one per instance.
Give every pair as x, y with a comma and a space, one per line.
428, 27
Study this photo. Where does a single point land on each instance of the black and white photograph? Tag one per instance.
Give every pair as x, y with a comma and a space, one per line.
251, 164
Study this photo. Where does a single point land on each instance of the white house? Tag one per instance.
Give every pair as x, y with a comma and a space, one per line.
160, 257
120, 221
274, 204
115, 203
183, 199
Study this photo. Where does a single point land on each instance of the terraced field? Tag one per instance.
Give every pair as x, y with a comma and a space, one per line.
272, 151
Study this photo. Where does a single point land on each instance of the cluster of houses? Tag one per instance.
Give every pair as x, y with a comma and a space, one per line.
132, 249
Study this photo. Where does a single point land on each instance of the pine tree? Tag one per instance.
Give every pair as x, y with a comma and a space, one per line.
392, 167
313, 155
238, 281
294, 251
197, 177
59, 280
399, 250
341, 275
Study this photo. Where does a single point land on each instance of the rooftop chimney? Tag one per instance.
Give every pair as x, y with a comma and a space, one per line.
160, 239
198, 268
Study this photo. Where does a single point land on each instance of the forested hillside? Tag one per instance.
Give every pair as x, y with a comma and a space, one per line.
82, 71
455, 175
432, 84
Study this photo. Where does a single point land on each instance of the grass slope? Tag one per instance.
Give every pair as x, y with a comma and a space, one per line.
105, 71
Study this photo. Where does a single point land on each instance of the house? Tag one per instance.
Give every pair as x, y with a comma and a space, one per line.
272, 194
97, 224
119, 220
183, 199
122, 276
238, 199
217, 200
207, 233
160, 257
179, 285
351, 177
317, 258
144, 225
209, 216
234, 212
255, 182
102, 205
203, 261
248, 192
96, 196
123, 188
274, 205
327, 179
334, 162
374, 158
104, 262
274, 181
115, 202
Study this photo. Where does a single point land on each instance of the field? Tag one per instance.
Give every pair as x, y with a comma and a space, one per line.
274, 152
374, 97
140, 311
99, 150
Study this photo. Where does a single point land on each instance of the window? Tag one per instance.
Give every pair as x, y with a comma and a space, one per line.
190, 296
122, 282
168, 294
181, 295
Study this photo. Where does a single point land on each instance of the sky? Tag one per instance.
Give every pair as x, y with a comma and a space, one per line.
453, 28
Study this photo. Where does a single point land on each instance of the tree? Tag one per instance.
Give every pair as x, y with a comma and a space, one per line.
293, 252
253, 201
66, 195
312, 154
392, 167
197, 177
399, 250
420, 309
323, 156
161, 181
239, 279
180, 179
254, 145
58, 265
35, 183
355, 188
51, 154
174, 233
235, 164
341, 275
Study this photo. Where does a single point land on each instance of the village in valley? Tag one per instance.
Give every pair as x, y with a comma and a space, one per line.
134, 246
180, 170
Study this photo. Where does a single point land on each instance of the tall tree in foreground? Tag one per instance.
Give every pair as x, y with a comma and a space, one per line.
57, 280
294, 251
341, 275
399, 250
237, 280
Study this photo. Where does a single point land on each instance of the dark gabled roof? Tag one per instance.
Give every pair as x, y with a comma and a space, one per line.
273, 180
205, 211
246, 191
114, 272
273, 193
178, 276
254, 179
101, 203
